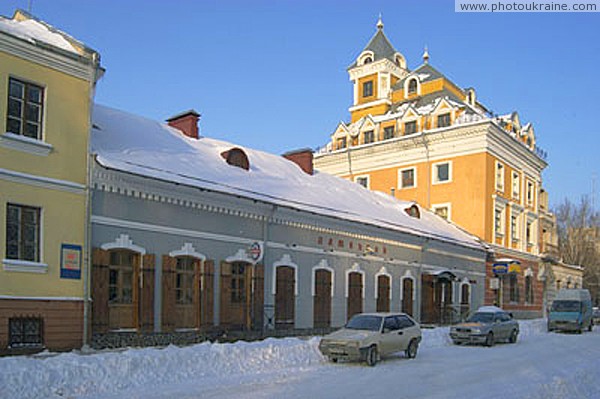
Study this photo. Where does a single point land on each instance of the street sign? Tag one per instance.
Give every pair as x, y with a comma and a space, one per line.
500, 268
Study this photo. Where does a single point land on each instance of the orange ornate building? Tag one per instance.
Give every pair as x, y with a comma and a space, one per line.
417, 135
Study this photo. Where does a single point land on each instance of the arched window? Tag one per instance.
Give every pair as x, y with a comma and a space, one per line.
412, 86
367, 60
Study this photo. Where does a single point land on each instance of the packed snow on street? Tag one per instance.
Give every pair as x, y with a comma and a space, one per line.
540, 365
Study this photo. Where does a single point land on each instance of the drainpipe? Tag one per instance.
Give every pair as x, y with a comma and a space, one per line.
350, 163
265, 237
420, 277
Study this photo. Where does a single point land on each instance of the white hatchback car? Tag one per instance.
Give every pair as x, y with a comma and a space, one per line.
369, 336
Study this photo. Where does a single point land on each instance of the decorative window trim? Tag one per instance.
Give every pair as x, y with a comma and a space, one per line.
434, 174
400, 185
187, 250
363, 57
367, 177
25, 144
322, 265
286, 260
499, 205
407, 83
355, 269
123, 242
382, 272
15, 265
448, 205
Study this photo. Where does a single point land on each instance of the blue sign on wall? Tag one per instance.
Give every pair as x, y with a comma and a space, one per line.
500, 268
70, 261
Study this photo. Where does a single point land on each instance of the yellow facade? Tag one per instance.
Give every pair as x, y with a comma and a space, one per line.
43, 185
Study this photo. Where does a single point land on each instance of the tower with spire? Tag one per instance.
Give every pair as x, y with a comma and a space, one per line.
373, 73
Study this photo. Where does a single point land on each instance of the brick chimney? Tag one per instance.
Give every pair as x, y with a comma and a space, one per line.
303, 158
187, 122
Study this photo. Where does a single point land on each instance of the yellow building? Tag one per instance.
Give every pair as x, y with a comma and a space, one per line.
416, 135
47, 82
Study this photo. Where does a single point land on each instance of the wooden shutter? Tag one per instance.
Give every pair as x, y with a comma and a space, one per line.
225, 298
207, 295
100, 261
354, 301
147, 294
168, 293
322, 299
383, 294
259, 296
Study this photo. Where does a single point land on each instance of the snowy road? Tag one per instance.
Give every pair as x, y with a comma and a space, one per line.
540, 365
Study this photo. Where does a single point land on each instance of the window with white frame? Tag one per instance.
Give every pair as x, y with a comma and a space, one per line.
25, 108
23, 232
499, 176
442, 210
388, 132
530, 192
443, 120
341, 143
408, 178
362, 180
514, 226
516, 184
442, 172
499, 220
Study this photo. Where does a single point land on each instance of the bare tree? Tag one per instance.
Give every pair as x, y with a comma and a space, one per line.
578, 226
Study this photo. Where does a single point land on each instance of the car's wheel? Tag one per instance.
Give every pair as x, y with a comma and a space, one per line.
513, 336
333, 359
489, 339
372, 356
411, 351
457, 342
591, 326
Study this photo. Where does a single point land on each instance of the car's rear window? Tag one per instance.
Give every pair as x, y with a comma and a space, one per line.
566, 306
363, 322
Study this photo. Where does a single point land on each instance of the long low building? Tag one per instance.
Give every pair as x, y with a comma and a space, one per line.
192, 234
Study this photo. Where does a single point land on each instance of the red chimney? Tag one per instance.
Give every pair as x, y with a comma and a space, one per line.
187, 122
303, 158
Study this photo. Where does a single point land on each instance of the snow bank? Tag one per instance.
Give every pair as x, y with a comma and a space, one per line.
108, 372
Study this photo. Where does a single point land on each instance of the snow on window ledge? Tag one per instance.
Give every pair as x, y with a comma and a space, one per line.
25, 144
15, 265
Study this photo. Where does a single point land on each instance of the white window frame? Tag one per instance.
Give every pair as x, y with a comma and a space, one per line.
367, 177
447, 205
516, 185
500, 204
530, 192
500, 179
434, 172
400, 186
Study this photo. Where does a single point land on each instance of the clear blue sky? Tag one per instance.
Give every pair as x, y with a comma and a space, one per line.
272, 74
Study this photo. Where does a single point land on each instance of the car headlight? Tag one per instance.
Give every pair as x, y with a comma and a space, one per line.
353, 344
476, 330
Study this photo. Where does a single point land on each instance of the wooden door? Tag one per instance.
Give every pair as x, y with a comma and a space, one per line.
355, 294
407, 296
322, 299
236, 282
429, 310
383, 294
123, 290
285, 297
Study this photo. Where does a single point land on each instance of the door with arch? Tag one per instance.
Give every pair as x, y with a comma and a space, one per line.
322, 299
285, 297
355, 294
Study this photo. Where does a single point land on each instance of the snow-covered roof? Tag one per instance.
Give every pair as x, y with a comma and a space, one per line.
28, 28
150, 148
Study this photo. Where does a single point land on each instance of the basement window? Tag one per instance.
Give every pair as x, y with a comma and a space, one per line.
25, 332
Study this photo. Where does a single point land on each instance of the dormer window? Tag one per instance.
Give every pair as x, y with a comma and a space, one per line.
412, 86
236, 157
413, 211
367, 60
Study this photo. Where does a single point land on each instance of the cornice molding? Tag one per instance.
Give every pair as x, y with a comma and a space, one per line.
75, 65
